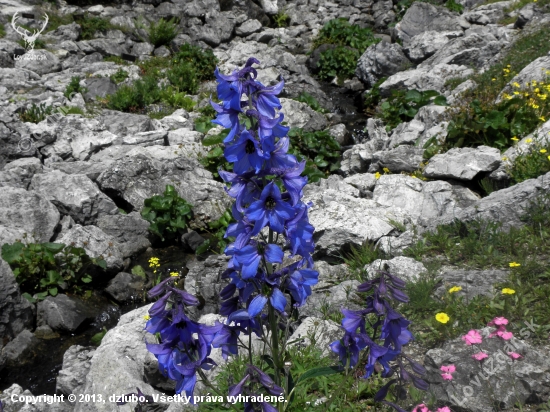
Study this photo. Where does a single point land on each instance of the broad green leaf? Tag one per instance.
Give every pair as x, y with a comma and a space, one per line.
53, 247
86, 278
28, 297
96, 339
138, 271
320, 371
11, 253
53, 291
441, 101
203, 247
213, 139
413, 96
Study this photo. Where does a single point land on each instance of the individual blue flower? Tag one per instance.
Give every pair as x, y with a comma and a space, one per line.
269, 208
348, 348
250, 256
294, 182
231, 87
245, 153
228, 118
300, 232
299, 284
265, 100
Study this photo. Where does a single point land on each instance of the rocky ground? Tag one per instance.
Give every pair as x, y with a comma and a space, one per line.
66, 178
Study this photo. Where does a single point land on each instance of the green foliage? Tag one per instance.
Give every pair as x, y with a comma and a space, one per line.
116, 59
217, 243
162, 32
38, 44
359, 257
203, 61
214, 159
96, 339
320, 150
35, 114
491, 125
74, 87
184, 77
350, 40
91, 24
452, 5
2, 31
44, 268
311, 102
403, 105
56, 20
530, 165
71, 110
373, 98
119, 76
281, 19
167, 214
177, 99
136, 97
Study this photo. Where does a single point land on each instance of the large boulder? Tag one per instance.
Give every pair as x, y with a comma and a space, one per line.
39, 61
74, 195
26, 212
15, 311
20, 172
63, 313
381, 60
472, 282
403, 267
76, 364
426, 44
140, 175
477, 385
300, 115
463, 163
534, 71
130, 231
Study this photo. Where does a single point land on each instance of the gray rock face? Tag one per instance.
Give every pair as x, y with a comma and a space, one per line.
96, 243
329, 300
536, 70
204, 281
137, 177
381, 60
63, 313
401, 159
20, 172
425, 44
341, 220
421, 17
76, 364
424, 78
123, 124
67, 32
43, 62
106, 47
422, 201
395, 245
298, 114
365, 182
130, 231
463, 163
26, 212
15, 311
472, 282
125, 287
403, 267
99, 87
74, 195
117, 365
324, 331
248, 27
19, 351
198, 8
473, 382
506, 205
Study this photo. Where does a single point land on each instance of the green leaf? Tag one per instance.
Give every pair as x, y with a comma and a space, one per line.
28, 297
40, 296
441, 101
203, 247
11, 253
413, 96
96, 339
53, 247
214, 139
320, 371
86, 278
53, 291
138, 271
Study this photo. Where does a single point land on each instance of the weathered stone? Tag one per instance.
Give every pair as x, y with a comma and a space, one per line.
96, 243
322, 332
327, 301
408, 133
123, 124
300, 115
99, 87
534, 71
511, 382
395, 245
76, 364
425, 44
74, 195
401, 159
248, 27
472, 282
63, 312
43, 62
126, 287
192, 240
130, 231
19, 351
365, 182
20, 172
403, 267
381, 60
463, 163
26, 212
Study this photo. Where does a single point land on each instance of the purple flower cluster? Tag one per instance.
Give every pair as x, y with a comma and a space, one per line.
394, 333
266, 184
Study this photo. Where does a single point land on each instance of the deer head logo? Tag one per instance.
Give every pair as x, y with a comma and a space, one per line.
28, 37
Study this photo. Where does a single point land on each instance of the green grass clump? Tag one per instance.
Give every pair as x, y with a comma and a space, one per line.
531, 165
162, 32
184, 77
74, 87
203, 61
2, 31
119, 76
281, 19
91, 24
135, 98
350, 41
35, 114
310, 101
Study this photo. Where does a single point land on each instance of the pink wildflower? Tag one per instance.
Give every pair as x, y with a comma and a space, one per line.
444, 409
498, 322
472, 337
448, 368
514, 355
500, 330
505, 335
421, 408
480, 356
447, 376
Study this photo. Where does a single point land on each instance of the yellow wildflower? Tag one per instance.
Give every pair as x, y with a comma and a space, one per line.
455, 289
174, 274
535, 106
147, 317
528, 140
515, 139
386, 170
542, 96
548, 157
504, 158
516, 93
515, 84
537, 90
514, 264
542, 119
377, 175
508, 291
442, 317
543, 150
493, 79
